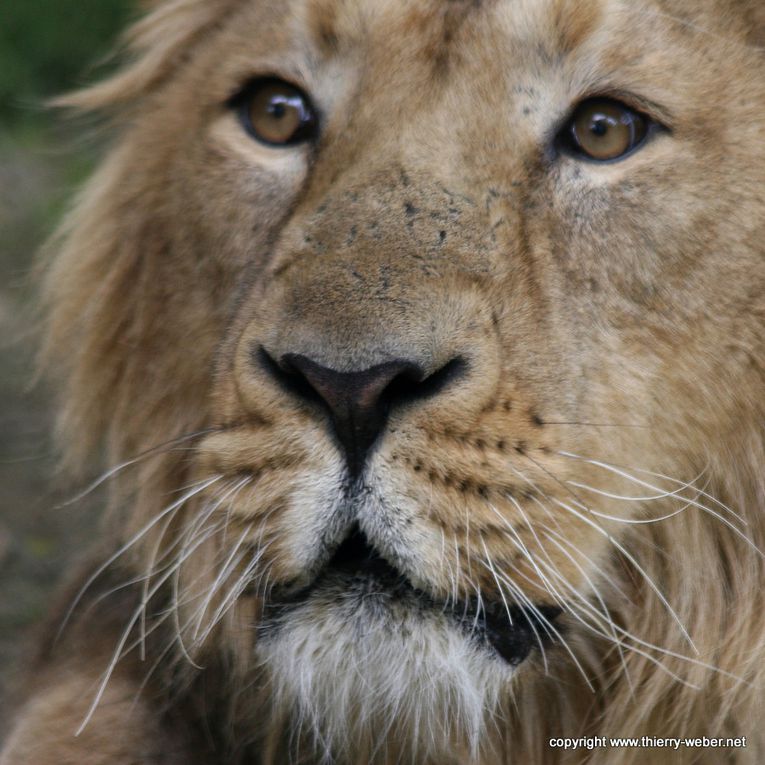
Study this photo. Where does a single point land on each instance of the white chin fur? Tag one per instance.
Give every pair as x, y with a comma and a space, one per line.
357, 672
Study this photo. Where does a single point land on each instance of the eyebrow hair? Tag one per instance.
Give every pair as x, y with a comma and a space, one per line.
322, 23
575, 20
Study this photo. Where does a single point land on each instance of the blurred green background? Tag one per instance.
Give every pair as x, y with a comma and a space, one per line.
46, 47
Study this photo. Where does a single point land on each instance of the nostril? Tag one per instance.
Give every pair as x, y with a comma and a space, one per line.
405, 388
358, 402
289, 378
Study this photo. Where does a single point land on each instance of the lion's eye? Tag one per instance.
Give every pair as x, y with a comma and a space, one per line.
602, 129
277, 113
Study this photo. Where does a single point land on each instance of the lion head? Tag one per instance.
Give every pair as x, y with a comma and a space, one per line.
429, 338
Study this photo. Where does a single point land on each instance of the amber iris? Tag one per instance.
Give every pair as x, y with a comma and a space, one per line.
278, 113
603, 129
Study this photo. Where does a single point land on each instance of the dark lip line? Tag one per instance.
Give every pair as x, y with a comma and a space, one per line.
511, 631
353, 556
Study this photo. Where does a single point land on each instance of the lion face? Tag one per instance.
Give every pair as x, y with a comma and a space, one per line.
480, 286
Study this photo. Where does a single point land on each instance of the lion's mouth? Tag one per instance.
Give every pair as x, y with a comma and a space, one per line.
358, 573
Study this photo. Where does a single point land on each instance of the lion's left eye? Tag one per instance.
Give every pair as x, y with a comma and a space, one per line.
277, 113
603, 130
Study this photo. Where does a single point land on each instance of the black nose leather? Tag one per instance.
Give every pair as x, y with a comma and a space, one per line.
358, 402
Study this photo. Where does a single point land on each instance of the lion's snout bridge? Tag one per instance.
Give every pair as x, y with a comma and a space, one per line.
370, 330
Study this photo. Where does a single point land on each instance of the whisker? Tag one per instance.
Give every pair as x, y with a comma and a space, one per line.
630, 498
618, 546
507, 607
531, 528
603, 607
595, 567
597, 424
516, 589
637, 566
575, 606
691, 25
162, 617
233, 594
488, 564
229, 565
182, 540
633, 521
111, 472
518, 542
614, 467
692, 502
628, 635
231, 493
123, 640
122, 550
151, 564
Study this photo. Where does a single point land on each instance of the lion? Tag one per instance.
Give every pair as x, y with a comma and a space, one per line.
424, 346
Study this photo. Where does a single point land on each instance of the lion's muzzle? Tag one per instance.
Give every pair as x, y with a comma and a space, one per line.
358, 403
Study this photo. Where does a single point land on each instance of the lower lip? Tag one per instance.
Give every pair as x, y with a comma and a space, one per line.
510, 632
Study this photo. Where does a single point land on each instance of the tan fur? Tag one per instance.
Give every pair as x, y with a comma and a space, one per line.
45, 730
612, 319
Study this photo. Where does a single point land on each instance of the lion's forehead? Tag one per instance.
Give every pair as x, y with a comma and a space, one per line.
425, 69
485, 33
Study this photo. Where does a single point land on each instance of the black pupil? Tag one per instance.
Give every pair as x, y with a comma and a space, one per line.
599, 126
278, 107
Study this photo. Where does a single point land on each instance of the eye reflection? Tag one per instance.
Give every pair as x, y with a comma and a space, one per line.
277, 113
603, 130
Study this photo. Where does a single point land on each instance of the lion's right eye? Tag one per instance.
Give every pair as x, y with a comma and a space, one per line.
604, 130
277, 113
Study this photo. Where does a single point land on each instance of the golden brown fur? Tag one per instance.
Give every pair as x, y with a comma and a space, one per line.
612, 319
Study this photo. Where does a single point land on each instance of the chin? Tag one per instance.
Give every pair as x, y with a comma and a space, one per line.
362, 657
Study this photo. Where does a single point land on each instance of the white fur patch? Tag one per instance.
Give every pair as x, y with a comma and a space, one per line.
358, 669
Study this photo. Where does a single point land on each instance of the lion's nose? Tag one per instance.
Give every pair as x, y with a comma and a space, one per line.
358, 402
